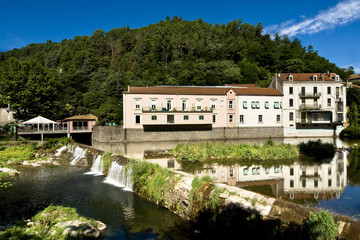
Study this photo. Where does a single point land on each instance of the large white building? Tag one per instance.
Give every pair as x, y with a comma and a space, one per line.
314, 104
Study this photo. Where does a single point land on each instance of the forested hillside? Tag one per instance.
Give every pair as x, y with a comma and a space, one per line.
87, 74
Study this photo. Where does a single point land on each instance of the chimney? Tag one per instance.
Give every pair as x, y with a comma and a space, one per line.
128, 88
322, 76
276, 79
328, 73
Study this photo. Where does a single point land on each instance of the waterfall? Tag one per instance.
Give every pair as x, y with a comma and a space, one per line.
78, 153
97, 167
59, 151
118, 177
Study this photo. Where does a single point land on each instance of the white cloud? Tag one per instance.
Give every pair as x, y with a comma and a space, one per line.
344, 12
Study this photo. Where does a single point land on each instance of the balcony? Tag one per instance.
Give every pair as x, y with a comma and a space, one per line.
309, 95
310, 106
176, 110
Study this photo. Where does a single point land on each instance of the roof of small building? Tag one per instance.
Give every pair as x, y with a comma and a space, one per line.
81, 117
354, 77
200, 90
307, 76
38, 120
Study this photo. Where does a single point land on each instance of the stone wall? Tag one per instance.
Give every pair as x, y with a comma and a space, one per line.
111, 134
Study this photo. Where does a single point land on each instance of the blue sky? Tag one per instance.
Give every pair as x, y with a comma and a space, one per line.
332, 27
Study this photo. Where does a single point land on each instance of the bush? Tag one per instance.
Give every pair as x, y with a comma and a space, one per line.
321, 225
351, 132
107, 160
317, 149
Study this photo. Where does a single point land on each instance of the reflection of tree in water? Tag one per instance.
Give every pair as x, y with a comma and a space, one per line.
354, 167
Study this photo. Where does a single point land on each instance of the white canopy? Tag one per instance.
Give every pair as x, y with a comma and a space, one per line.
39, 120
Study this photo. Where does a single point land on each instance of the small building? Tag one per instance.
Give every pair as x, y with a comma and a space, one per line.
354, 77
81, 123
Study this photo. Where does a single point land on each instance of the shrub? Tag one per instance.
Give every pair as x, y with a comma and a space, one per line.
107, 160
317, 149
351, 132
321, 225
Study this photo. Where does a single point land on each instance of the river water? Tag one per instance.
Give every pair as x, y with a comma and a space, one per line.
126, 215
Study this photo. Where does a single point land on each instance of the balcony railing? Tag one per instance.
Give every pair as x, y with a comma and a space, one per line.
173, 110
309, 95
310, 106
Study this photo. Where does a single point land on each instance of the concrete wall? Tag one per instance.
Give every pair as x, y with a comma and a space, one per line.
118, 134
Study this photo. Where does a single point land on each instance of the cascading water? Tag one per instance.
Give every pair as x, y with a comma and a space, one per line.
118, 176
97, 167
78, 153
59, 151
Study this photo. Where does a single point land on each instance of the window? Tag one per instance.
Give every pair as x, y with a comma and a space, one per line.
337, 78
184, 104
231, 104
201, 117
186, 117
137, 119
329, 183
170, 118
276, 105
291, 102
253, 104
245, 171
213, 103
154, 118
291, 171
315, 91
291, 183
198, 104
276, 170
137, 104
277, 118
241, 119
267, 170
304, 183
291, 116
253, 171
214, 118
168, 104
245, 104
329, 102
266, 105
328, 90
316, 183
329, 171
257, 105
260, 118
231, 172
291, 90
153, 104
291, 78
231, 118
315, 78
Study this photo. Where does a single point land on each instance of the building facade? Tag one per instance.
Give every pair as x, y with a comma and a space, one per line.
166, 107
314, 104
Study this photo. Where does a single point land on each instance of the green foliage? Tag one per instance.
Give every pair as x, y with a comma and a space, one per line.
321, 225
317, 149
151, 179
88, 73
351, 132
204, 152
52, 143
107, 160
17, 154
44, 225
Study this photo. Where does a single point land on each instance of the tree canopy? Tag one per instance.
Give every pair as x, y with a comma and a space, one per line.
88, 73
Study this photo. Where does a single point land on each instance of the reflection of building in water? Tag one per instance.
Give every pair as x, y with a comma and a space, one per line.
320, 181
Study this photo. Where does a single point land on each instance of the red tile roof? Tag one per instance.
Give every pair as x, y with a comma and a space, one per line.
354, 77
242, 85
172, 90
307, 76
81, 117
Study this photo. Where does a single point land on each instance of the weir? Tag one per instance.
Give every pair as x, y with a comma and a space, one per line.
78, 154
97, 167
119, 176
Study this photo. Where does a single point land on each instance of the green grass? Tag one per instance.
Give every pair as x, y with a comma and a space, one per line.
107, 160
17, 154
151, 179
321, 225
44, 227
221, 152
